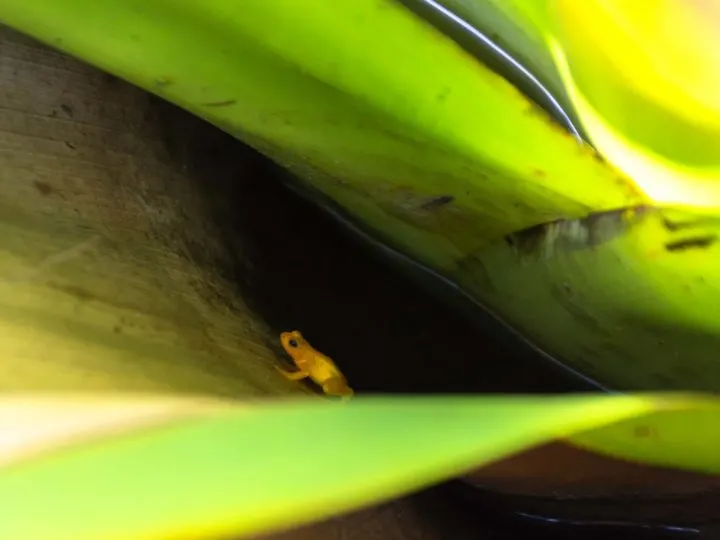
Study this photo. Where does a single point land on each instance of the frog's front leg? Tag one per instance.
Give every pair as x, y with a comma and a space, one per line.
292, 375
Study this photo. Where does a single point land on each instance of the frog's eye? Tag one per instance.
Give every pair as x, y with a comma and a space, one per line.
293, 343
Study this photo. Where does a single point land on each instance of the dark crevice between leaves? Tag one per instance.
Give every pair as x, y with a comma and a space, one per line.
566, 235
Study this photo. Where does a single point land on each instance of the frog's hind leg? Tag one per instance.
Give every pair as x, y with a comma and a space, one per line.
344, 393
292, 375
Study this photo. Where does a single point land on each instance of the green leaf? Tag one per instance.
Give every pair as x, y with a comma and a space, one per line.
269, 465
645, 82
629, 299
514, 26
363, 100
666, 438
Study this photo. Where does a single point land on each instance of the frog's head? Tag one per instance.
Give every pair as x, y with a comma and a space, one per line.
293, 343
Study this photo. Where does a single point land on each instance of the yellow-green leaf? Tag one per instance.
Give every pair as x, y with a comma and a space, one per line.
263, 466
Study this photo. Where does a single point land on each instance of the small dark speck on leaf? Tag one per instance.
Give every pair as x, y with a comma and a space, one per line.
674, 226
671, 226
642, 432
43, 188
443, 94
70, 145
437, 202
163, 81
225, 103
117, 329
67, 109
698, 242
539, 172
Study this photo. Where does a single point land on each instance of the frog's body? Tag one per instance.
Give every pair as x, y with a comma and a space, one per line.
314, 364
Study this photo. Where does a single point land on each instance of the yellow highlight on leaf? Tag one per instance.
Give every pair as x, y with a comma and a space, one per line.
662, 180
644, 78
665, 49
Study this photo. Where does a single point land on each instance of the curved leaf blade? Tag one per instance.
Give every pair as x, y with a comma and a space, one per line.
317, 86
278, 465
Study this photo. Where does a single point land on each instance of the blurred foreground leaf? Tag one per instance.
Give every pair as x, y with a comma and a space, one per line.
215, 468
